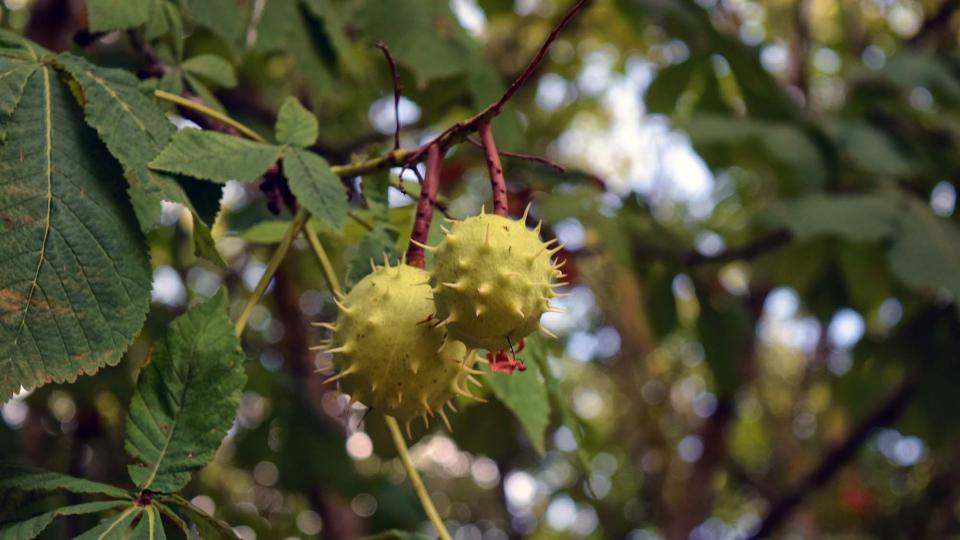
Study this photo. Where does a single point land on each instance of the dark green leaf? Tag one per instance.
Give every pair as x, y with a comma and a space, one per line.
725, 329
24, 478
524, 393
186, 398
212, 68
226, 18
430, 41
32, 527
203, 92
926, 252
535, 352
106, 15
215, 156
316, 187
668, 86
150, 526
13, 78
113, 528
296, 125
76, 274
135, 130
865, 218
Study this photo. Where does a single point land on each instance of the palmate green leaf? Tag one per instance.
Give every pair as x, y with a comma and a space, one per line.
296, 125
226, 18
135, 130
215, 156
150, 526
106, 15
212, 68
32, 527
725, 329
207, 526
867, 217
185, 398
203, 92
524, 393
24, 478
115, 527
535, 352
925, 254
13, 77
316, 187
74, 266
427, 39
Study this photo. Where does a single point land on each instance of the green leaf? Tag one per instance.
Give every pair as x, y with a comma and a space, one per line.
926, 252
374, 245
535, 352
316, 187
872, 150
430, 41
725, 329
213, 68
135, 130
75, 271
150, 526
226, 18
185, 398
32, 527
671, 81
865, 218
208, 527
524, 393
113, 528
203, 92
24, 478
13, 45
13, 78
215, 156
296, 125
106, 15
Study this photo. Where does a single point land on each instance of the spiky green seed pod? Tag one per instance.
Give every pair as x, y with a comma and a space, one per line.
492, 280
387, 351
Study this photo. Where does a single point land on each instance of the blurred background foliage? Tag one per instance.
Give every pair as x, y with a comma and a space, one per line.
759, 217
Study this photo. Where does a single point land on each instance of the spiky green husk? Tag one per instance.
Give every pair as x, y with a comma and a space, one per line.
492, 280
386, 350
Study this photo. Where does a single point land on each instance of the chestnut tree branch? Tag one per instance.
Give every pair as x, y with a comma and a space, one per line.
526, 157
498, 184
428, 198
397, 89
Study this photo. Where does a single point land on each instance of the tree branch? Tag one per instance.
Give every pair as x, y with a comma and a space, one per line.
884, 414
498, 184
525, 157
771, 241
428, 198
397, 88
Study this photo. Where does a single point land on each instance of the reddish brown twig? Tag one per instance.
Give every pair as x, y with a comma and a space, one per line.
459, 131
526, 157
498, 183
397, 89
428, 198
